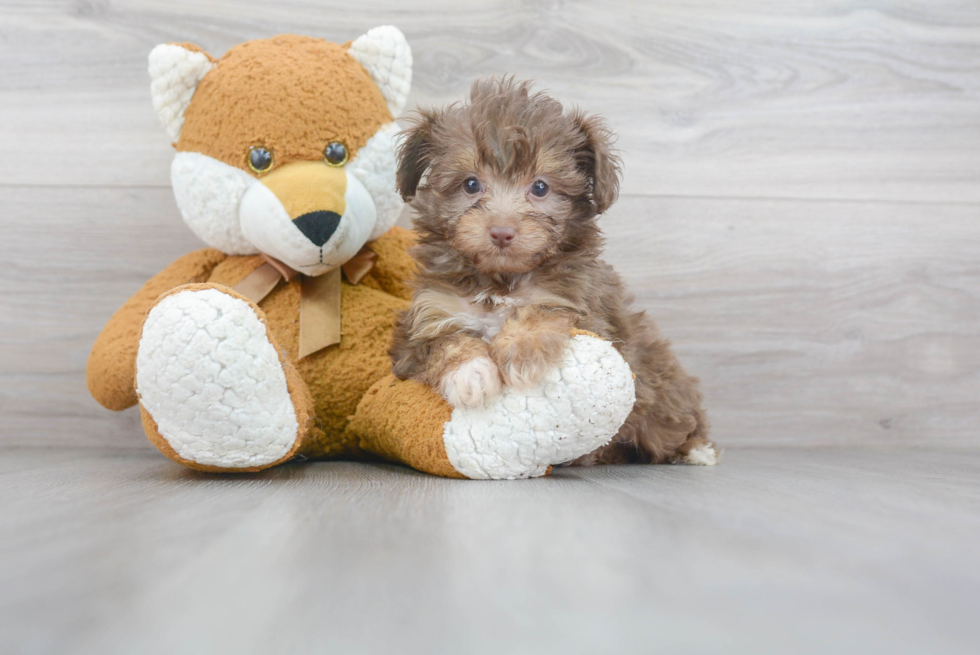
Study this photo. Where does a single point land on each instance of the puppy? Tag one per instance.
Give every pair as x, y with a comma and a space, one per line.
509, 265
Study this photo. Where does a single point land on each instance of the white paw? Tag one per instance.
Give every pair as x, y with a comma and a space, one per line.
213, 382
575, 409
472, 384
705, 455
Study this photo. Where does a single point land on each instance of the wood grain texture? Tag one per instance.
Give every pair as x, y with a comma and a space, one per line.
834, 99
775, 551
800, 208
810, 323
815, 322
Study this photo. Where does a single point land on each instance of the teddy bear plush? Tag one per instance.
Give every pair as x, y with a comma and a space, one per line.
272, 343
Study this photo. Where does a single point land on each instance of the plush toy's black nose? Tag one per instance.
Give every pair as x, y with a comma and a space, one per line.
318, 226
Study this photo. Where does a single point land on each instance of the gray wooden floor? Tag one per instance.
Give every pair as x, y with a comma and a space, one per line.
800, 213
775, 551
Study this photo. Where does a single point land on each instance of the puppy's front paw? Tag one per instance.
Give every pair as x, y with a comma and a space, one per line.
524, 372
525, 359
472, 384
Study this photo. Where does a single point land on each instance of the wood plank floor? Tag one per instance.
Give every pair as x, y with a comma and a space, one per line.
774, 551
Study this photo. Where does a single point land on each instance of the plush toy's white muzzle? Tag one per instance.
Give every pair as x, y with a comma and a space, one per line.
308, 215
239, 214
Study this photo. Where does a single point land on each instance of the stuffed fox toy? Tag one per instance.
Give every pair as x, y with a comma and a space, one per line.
272, 342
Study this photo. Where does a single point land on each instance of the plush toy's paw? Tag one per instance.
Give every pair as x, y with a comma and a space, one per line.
212, 382
473, 384
575, 409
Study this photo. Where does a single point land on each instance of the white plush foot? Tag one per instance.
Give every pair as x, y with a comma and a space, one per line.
705, 455
472, 384
213, 382
577, 408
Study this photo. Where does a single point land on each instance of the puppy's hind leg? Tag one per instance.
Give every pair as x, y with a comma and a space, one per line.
699, 452
667, 424
673, 428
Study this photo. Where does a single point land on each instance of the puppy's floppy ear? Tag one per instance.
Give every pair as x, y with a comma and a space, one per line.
597, 159
414, 153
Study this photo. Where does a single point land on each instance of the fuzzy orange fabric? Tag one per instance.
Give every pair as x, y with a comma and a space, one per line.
398, 420
299, 394
294, 95
307, 93
111, 368
338, 392
339, 376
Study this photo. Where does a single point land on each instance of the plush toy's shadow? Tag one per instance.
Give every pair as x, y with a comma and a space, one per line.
297, 470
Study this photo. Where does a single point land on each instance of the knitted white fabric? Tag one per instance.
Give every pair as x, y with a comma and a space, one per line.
174, 75
375, 166
576, 409
213, 382
208, 194
385, 53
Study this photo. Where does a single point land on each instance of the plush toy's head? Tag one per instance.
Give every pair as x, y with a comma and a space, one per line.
285, 146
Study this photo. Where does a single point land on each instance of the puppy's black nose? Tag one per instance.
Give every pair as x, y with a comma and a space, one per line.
502, 236
318, 227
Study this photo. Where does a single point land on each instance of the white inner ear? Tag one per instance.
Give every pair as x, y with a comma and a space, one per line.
208, 194
375, 166
386, 55
175, 73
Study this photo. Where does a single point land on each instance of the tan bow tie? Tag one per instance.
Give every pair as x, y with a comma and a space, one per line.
319, 304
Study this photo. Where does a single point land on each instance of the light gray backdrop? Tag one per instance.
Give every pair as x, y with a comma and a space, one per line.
800, 206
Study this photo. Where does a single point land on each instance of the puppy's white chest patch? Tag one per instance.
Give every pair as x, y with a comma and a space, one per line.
487, 322
486, 313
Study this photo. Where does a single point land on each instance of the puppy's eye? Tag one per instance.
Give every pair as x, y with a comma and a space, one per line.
539, 188
335, 153
260, 159
472, 185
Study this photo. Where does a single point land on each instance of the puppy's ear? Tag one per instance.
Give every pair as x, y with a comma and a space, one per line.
597, 159
414, 153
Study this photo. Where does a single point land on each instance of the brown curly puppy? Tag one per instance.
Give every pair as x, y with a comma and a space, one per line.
509, 264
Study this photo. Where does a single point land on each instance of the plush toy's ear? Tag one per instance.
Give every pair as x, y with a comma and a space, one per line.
384, 52
597, 159
414, 153
175, 71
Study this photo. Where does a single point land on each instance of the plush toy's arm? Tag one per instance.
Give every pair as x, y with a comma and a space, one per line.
111, 369
394, 267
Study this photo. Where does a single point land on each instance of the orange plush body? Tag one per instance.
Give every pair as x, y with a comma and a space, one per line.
258, 349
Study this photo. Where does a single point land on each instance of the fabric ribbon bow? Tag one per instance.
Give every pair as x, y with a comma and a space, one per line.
319, 304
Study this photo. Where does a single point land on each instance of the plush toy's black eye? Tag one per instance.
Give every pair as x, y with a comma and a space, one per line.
335, 153
260, 159
472, 185
539, 188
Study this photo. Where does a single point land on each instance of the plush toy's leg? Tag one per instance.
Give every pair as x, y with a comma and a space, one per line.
520, 434
215, 392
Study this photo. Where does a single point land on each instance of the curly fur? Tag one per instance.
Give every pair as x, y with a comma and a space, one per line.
516, 304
